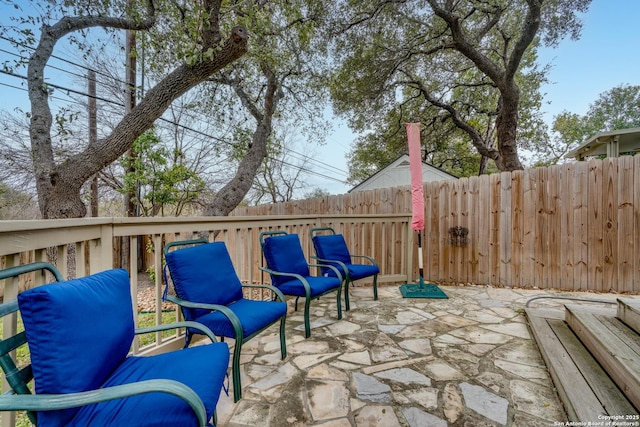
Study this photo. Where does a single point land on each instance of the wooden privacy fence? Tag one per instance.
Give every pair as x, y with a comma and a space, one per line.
574, 226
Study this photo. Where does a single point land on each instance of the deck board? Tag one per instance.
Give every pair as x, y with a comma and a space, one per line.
629, 312
612, 351
606, 391
571, 385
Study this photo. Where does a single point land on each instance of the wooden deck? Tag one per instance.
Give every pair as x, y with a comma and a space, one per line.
593, 357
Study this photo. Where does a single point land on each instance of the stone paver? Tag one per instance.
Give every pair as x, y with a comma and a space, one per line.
485, 403
370, 389
464, 361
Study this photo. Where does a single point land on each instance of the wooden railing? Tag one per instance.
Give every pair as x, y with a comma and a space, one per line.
79, 247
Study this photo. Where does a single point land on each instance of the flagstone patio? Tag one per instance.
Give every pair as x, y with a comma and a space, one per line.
464, 361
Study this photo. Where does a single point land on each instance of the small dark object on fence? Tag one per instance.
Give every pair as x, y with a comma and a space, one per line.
459, 236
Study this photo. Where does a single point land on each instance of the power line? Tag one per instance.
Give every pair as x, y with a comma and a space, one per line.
12, 86
68, 90
303, 157
309, 171
26, 90
323, 165
59, 58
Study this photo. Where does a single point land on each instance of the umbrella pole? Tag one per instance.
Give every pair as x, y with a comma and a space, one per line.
420, 270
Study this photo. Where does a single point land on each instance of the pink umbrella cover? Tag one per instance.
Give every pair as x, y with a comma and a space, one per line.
415, 166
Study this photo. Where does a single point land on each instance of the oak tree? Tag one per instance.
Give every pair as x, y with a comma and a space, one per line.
468, 59
199, 34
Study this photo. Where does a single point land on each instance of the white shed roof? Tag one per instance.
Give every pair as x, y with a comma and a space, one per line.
397, 174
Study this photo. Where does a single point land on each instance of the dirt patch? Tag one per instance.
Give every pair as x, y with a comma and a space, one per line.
147, 295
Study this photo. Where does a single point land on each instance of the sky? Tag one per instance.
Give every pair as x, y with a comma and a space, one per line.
607, 55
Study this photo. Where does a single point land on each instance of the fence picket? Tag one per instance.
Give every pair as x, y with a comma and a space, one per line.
574, 226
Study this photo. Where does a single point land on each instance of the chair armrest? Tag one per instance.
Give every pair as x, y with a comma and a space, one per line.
272, 288
175, 325
367, 257
281, 273
324, 262
338, 274
302, 280
49, 402
226, 311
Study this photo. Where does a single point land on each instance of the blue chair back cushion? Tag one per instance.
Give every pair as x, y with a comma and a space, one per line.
204, 274
333, 247
284, 254
79, 332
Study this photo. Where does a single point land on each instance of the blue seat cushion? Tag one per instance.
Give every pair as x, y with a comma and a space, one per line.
204, 274
201, 368
333, 247
284, 254
319, 285
253, 315
357, 271
79, 332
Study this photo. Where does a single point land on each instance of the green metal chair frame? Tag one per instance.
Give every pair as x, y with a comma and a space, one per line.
317, 230
20, 398
307, 300
235, 322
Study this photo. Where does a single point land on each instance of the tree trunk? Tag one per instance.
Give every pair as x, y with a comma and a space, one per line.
234, 191
506, 128
232, 194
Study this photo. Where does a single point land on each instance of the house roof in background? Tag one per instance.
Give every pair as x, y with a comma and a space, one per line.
610, 143
401, 161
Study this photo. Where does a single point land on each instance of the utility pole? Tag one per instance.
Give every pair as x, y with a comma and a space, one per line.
130, 199
93, 136
130, 103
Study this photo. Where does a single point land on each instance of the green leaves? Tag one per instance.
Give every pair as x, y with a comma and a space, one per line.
617, 108
160, 178
467, 63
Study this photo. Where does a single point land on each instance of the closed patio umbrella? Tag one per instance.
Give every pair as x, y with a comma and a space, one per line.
420, 289
417, 194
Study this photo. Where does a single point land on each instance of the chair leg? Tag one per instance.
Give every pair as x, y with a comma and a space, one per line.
235, 370
283, 341
375, 287
307, 324
338, 300
347, 306
187, 338
296, 306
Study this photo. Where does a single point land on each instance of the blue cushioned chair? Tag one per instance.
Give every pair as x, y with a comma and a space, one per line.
331, 250
289, 272
79, 333
209, 291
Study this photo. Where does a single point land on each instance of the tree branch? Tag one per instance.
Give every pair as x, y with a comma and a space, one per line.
463, 44
234, 191
476, 138
528, 33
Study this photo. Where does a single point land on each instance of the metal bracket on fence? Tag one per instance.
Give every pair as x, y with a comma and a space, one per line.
458, 236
